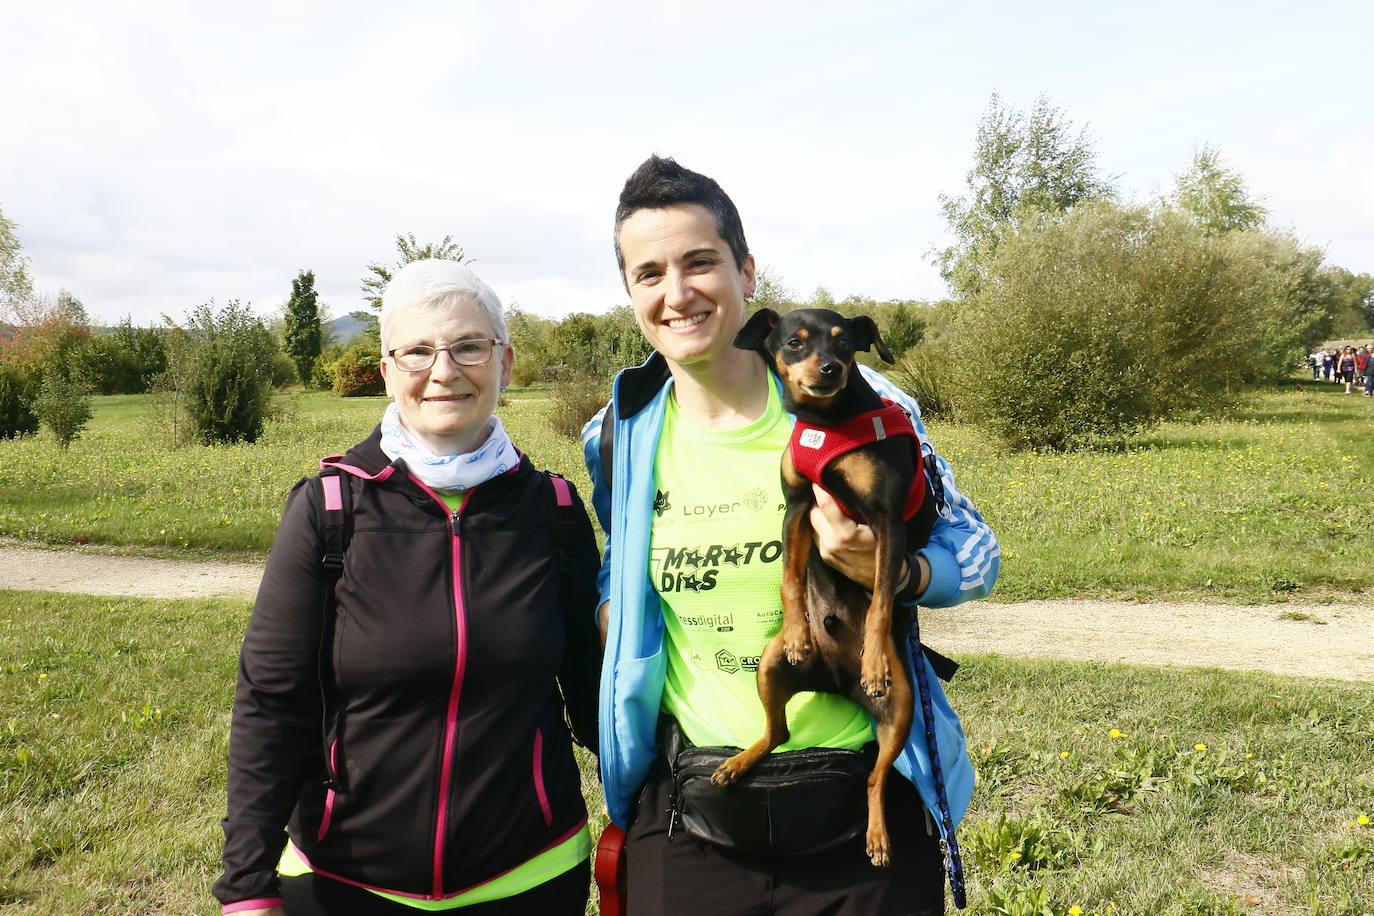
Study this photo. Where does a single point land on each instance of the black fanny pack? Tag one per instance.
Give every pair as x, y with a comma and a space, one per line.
792, 803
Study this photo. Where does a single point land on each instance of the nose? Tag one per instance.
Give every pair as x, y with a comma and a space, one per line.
679, 294
830, 369
445, 367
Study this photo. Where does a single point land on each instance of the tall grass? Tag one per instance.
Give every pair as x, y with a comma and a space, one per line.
1110, 788
1268, 502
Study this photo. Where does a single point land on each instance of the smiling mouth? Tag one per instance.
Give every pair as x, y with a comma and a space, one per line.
678, 324
447, 397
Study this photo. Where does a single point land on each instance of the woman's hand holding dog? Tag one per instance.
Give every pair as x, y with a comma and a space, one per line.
849, 547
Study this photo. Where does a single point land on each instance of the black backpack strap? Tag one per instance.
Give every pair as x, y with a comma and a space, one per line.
606, 445
332, 521
935, 487
564, 520
332, 516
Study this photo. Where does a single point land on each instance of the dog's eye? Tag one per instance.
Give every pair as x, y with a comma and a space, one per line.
794, 344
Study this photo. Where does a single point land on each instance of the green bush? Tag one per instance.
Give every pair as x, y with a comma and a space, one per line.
16, 404
573, 400
358, 372
229, 377
283, 371
125, 361
1087, 329
924, 372
64, 405
322, 371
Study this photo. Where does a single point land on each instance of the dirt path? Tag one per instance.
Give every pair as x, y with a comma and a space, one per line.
1333, 641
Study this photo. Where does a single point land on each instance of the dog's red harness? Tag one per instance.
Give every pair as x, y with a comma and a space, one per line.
814, 447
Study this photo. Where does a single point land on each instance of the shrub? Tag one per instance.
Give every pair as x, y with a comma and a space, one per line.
1292, 299
323, 370
40, 332
283, 371
924, 372
16, 404
574, 399
64, 404
1089, 328
125, 361
110, 368
229, 379
358, 372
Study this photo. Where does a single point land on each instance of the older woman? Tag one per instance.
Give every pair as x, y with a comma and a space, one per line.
398, 711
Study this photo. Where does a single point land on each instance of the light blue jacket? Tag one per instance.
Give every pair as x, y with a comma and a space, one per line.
962, 553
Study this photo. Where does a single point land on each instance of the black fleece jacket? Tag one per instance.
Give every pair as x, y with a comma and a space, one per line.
440, 702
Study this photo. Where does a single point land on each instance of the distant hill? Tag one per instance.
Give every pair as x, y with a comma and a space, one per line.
343, 329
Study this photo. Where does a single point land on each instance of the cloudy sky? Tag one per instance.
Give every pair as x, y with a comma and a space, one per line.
158, 155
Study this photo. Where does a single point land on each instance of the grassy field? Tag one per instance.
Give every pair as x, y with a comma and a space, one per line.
1270, 502
1108, 788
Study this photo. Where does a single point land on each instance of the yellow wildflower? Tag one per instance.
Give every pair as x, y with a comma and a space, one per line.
1115, 734
1075, 911
1362, 820
1063, 753
1199, 747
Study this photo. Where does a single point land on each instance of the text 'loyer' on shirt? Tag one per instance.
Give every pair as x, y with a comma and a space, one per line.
716, 563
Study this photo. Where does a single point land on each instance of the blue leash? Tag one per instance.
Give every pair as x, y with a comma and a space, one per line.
949, 846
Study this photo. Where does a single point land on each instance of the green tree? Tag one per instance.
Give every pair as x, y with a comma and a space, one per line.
17, 394
771, 292
901, 328
72, 308
228, 383
532, 337
1291, 299
41, 334
1093, 326
15, 283
1353, 309
124, 361
1216, 196
409, 250
821, 298
302, 334
1024, 164
63, 404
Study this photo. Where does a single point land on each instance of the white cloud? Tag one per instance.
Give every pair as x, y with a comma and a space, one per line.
163, 154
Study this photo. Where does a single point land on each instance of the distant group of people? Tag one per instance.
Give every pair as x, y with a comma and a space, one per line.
1351, 365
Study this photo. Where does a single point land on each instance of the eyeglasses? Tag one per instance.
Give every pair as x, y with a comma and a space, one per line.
475, 351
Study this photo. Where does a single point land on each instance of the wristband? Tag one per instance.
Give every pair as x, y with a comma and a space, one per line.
908, 589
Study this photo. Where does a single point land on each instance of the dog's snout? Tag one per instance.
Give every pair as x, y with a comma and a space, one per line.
830, 368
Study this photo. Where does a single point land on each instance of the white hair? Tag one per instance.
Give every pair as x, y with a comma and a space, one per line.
434, 284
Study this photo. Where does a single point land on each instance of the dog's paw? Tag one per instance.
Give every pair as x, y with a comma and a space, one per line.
878, 848
875, 674
796, 645
731, 770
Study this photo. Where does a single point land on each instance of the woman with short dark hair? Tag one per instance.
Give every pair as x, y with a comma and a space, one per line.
684, 464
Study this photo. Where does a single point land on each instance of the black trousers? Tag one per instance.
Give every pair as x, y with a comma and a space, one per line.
312, 895
690, 877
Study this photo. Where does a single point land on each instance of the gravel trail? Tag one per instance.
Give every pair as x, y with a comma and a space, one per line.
1308, 640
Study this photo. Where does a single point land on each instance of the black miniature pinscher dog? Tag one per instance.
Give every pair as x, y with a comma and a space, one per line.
835, 638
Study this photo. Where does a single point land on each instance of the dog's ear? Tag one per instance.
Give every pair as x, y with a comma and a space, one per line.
756, 330
865, 331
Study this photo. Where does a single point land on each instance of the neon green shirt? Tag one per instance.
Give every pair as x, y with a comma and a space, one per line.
716, 562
